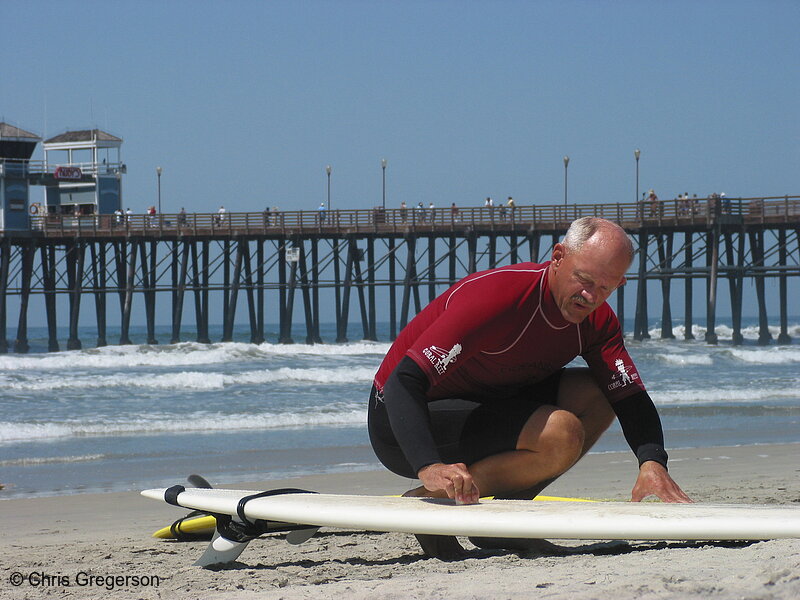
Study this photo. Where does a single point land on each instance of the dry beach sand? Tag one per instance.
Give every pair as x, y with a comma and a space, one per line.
58, 544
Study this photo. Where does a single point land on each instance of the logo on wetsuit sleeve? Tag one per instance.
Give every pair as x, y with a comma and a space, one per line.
624, 375
441, 358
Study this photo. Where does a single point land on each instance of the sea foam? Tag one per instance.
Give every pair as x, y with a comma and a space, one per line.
184, 354
720, 395
191, 422
47, 460
766, 356
725, 332
185, 380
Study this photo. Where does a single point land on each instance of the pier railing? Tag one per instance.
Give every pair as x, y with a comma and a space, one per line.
27, 168
678, 212
390, 262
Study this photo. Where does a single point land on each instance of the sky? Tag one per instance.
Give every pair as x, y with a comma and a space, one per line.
244, 103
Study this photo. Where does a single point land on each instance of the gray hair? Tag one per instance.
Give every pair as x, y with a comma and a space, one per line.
581, 230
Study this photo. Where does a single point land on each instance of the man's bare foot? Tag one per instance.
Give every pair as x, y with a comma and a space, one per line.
443, 547
517, 545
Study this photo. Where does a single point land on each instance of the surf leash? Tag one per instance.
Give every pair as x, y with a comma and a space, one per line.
245, 530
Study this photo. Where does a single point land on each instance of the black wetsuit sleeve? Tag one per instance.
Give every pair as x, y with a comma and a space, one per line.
404, 395
642, 427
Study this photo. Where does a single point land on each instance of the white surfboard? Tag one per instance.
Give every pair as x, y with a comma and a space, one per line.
507, 518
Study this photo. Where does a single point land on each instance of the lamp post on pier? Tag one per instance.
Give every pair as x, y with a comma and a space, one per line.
158, 173
636, 154
566, 164
383, 168
328, 171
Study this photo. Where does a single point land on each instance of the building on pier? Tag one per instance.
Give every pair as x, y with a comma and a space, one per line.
81, 175
86, 173
16, 148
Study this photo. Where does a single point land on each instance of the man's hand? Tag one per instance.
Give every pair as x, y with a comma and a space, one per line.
654, 480
454, 479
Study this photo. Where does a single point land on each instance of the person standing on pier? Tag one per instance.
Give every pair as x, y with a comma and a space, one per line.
654, 202
474, 397
420, 212
488, 205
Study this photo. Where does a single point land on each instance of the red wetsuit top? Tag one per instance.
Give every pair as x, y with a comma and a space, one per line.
499, 330
496, 332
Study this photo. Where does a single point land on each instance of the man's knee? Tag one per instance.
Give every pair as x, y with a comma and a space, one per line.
564, 439
558, 437
580, 394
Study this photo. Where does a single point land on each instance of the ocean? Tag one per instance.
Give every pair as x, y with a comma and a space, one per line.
131, 417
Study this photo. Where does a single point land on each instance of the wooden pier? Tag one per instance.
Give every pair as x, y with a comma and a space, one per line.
388, 263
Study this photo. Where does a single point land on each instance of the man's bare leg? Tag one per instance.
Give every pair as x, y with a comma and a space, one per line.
579, 395
553, 439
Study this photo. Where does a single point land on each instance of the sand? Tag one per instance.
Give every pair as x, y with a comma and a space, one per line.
63, 546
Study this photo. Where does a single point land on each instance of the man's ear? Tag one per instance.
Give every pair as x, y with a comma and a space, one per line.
558, 253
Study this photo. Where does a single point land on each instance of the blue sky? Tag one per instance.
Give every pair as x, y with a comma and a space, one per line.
244, 103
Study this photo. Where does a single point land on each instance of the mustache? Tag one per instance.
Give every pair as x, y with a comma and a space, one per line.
581, 300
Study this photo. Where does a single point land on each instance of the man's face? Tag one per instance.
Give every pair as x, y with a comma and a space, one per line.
581, 281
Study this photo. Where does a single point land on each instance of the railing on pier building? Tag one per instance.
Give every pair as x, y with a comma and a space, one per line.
392, 260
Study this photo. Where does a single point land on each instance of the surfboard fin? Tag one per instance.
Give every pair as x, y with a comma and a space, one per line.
199, 481
221, 551
298, 536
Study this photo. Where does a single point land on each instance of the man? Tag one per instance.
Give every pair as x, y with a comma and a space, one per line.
473, 397
654, 202
455, 214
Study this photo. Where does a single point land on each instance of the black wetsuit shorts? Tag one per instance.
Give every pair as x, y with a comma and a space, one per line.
465, 431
